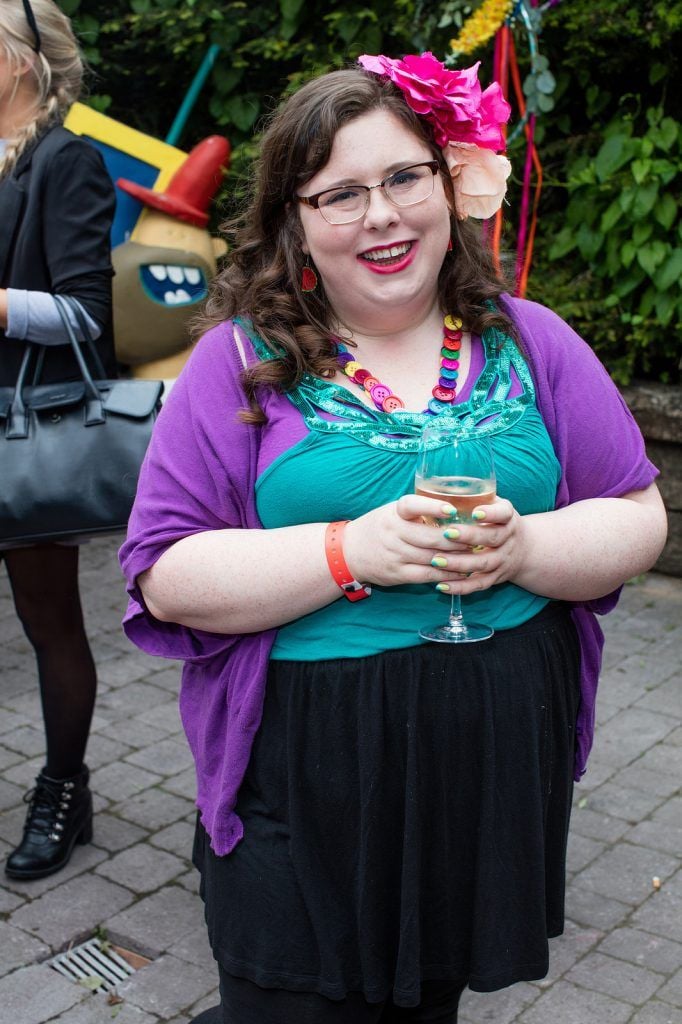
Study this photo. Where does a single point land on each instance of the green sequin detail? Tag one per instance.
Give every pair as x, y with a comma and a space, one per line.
400, 431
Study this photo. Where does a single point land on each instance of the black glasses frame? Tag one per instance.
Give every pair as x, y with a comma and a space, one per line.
31, 19
314, 200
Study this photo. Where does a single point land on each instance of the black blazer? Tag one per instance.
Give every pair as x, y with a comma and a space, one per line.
56, 209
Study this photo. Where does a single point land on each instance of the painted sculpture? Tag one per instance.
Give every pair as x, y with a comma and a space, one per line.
162, 272
162, 251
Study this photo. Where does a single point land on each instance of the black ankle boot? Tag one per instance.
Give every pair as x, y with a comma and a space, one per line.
59, 815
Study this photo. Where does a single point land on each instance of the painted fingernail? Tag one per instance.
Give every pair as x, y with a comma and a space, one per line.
443, 587
448, 510
477, 548
478, 514
451, 534
439, 563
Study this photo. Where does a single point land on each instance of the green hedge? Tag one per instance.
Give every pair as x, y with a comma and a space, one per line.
608, 253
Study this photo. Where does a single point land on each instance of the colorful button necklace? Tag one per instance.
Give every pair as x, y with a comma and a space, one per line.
443, 394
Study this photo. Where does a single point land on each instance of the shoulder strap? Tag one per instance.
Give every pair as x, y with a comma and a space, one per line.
238, 336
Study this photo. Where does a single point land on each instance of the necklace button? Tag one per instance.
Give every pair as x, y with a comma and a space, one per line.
380, 393
452, 323
443, 394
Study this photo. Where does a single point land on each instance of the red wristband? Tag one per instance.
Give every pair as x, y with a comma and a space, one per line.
333, 549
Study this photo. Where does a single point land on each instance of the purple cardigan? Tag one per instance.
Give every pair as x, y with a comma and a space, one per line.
200, 474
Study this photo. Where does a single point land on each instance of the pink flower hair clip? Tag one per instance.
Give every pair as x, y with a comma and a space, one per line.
467, 123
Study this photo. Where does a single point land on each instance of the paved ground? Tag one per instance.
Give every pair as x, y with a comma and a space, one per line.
619, 962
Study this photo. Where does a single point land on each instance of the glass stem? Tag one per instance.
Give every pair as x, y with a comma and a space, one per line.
456, 619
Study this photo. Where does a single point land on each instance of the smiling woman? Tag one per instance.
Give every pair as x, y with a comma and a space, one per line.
380, 263
382, 821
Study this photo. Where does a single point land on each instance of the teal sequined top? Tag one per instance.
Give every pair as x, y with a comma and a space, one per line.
354, 459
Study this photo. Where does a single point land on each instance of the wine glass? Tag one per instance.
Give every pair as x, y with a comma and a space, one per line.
461, 472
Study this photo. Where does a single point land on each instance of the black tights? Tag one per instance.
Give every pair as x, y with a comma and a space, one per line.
243, 1002
44, 582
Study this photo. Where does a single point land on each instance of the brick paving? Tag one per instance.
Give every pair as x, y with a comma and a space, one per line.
619, 961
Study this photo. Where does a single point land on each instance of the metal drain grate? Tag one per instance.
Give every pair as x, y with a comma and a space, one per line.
94, 965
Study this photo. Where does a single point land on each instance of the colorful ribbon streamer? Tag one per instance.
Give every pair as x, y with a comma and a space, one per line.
505, 65
526, 233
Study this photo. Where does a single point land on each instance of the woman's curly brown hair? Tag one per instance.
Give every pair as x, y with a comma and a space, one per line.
262, 278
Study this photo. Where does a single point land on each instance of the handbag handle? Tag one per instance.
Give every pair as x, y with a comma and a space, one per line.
17, 421
94, 412
77, 311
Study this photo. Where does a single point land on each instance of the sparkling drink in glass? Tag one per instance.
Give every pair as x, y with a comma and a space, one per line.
460, 472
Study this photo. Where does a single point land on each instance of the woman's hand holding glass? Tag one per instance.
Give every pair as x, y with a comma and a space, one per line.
486, 551
400, 543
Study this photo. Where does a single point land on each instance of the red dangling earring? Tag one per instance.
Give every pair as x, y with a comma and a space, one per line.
450, 245
308, 279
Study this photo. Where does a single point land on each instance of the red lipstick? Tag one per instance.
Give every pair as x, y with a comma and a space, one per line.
390, 265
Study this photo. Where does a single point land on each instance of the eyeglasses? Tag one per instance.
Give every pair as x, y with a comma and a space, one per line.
30, 18
406, 187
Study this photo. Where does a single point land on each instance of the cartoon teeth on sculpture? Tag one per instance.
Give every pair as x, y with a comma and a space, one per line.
162, 272
173, 285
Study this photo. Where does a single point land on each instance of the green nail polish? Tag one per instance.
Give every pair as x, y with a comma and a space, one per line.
439, 563
443, 587
451, 534
448, 510
478, 514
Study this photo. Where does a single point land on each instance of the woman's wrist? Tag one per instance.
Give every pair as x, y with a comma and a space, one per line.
351, 587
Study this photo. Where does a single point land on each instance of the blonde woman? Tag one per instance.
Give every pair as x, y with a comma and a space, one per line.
56, 208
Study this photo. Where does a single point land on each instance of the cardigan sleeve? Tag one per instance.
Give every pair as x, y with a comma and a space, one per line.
602, 455
596, 439
197, 475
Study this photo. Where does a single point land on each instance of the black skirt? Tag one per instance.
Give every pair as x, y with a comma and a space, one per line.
405, 819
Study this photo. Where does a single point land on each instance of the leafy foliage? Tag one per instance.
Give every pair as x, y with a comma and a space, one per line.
622, 225
609, 250
146, 52
605, 87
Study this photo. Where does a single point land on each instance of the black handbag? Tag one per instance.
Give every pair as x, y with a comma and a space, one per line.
70, 453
